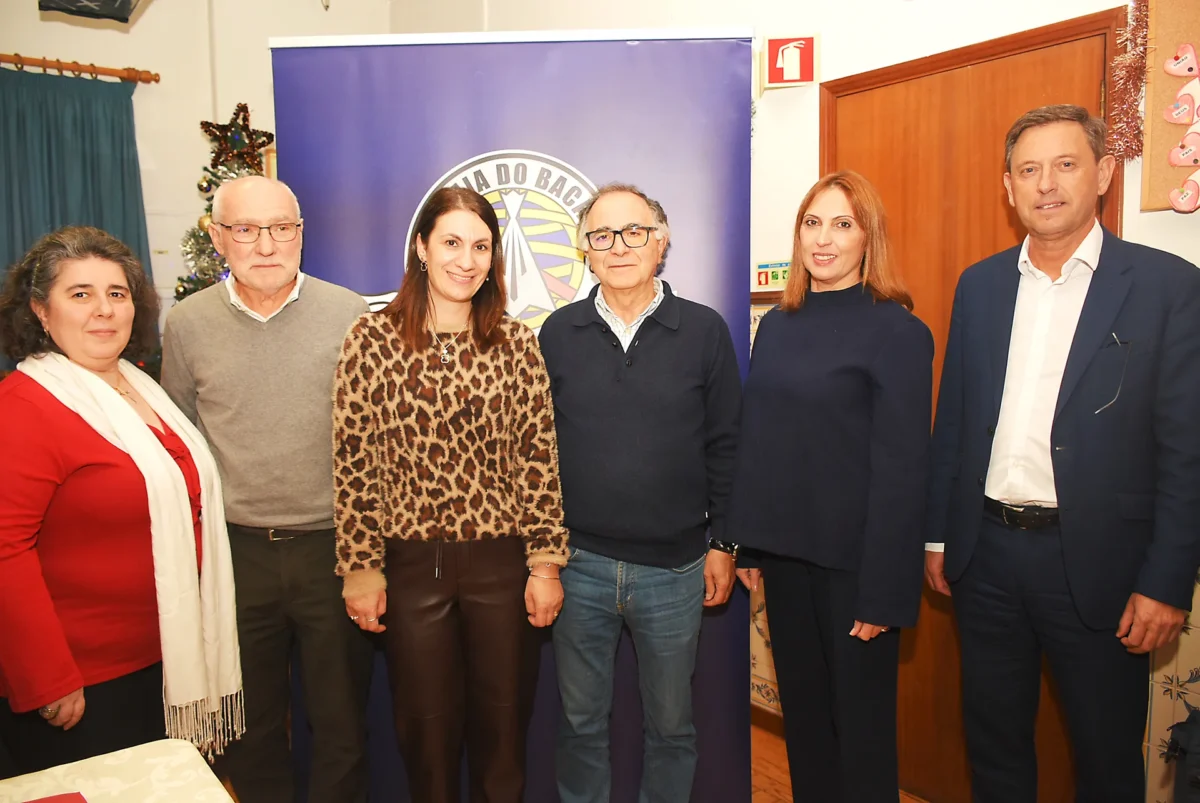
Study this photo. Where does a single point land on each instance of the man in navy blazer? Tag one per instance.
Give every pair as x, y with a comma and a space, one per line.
1065, 483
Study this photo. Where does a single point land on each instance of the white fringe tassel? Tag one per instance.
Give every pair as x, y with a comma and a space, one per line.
210, 731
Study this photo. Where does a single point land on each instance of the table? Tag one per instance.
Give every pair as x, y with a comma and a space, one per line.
166, 771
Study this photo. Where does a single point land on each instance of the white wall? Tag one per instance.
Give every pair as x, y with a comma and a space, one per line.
242, 60
211, 55
855, 36
428, 16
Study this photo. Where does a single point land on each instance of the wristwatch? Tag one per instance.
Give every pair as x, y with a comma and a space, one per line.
727, 547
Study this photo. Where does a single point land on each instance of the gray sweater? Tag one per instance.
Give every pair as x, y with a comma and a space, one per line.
262, 395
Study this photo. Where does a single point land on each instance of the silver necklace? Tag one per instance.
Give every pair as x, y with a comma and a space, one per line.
445, 347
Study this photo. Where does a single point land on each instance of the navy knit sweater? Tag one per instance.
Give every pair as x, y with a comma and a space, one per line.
646, 438
834, 449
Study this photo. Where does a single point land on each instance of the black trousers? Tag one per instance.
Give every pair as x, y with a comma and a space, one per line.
462, 665
289, 598
1013, 604
838, 692
119, 713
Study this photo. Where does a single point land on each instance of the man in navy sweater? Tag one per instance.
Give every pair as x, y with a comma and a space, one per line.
646, 403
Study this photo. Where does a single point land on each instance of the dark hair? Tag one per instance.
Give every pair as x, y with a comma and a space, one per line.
409, 310
656, 209
878, 271
1093, 127
32, 278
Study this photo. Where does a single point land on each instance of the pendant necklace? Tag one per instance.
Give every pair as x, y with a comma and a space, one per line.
445, 347
117, 388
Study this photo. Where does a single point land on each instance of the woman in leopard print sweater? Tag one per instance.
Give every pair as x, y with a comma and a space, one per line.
448, 509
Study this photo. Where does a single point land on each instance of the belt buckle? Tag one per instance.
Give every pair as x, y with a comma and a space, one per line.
271, 535
1004, 510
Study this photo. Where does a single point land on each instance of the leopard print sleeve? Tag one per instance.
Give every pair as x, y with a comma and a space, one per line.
358, 506
535, 455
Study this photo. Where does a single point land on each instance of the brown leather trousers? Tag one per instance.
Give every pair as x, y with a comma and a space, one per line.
462, 665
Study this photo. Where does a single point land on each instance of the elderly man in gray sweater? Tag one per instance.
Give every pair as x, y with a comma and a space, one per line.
251, 361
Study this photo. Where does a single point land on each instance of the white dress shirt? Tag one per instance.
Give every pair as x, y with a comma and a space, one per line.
626, 332
236, 300
1020, 471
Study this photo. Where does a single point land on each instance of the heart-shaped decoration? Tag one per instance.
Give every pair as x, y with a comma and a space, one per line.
1187, 198
1183, 110
1183, 64
1187, 153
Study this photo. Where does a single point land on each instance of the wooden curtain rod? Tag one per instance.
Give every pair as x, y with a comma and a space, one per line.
130, 74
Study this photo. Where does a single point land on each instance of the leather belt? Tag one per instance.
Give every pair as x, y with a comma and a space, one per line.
278, 534
1027, 517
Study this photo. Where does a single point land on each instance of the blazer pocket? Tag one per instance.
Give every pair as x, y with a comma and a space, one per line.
1136, 506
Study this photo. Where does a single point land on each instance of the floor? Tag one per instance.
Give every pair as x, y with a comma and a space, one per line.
769, 782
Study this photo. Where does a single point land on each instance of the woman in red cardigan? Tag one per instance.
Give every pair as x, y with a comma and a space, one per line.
116, 592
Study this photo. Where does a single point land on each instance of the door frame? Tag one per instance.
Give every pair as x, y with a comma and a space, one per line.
1106, 23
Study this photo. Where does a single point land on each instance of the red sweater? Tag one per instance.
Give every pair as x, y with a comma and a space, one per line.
77, 601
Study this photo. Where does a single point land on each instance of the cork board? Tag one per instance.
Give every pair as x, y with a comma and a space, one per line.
1174, 27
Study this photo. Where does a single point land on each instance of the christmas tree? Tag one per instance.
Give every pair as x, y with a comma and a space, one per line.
235, 153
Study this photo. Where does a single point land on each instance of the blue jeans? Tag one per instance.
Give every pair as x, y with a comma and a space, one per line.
662, 608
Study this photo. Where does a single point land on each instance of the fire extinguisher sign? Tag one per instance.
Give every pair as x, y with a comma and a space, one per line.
790, 61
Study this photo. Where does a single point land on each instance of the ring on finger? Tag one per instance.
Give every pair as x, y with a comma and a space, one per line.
47, 712
372, 619
354, 618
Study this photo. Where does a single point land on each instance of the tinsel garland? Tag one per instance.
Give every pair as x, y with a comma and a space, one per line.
216, 176
205, 265
1129, 84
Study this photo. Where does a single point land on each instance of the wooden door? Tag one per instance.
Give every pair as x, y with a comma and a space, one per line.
930, 135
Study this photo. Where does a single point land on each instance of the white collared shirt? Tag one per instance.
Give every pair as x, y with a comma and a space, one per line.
626, 332
1047, 312
1020, 471
236, 300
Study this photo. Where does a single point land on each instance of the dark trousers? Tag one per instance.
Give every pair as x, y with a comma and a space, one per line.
119, 713
1012, 604
838, 692
462, 665
288, 597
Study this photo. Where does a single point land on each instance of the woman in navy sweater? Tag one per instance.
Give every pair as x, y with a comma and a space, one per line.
829, 489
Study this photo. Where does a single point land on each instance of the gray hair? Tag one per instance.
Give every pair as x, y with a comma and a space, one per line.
218, 203
1095, 128
663, 231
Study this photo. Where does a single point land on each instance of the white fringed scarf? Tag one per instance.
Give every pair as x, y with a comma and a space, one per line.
197, 623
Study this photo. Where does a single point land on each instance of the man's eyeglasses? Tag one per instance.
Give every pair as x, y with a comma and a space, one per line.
632, 236
249, 233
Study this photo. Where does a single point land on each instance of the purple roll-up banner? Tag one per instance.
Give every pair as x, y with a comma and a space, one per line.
368, 127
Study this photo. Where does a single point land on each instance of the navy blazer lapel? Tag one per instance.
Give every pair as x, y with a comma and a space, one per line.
1002, 301
1106, 294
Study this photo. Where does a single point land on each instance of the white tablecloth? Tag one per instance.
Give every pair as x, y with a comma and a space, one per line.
168, 771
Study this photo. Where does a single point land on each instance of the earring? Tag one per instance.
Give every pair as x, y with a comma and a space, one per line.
424, 267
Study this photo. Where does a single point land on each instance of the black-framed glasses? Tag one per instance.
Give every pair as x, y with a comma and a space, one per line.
249, 233
633, 237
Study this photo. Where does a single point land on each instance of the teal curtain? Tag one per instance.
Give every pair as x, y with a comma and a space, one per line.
67, 157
